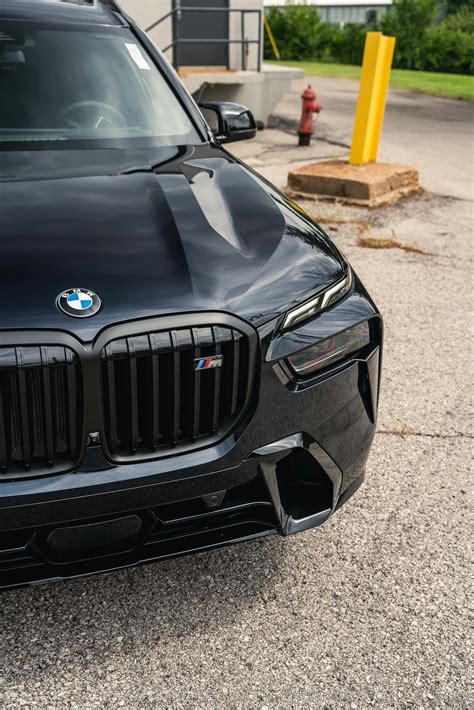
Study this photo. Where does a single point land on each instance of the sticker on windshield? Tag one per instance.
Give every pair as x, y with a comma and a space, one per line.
137, 56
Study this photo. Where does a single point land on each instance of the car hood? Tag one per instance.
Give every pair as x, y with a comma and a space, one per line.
157, 232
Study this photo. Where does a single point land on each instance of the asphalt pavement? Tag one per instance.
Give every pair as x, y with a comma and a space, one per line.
371, 609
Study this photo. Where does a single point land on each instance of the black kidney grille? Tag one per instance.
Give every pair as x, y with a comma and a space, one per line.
153, 397
40, 409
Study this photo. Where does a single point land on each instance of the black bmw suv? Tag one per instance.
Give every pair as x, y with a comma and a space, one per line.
186, 359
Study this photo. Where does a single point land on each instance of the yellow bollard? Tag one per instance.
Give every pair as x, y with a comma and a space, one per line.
375, 77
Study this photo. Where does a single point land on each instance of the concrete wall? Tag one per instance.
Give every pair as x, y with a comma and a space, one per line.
145, 12
260, 92
251, 32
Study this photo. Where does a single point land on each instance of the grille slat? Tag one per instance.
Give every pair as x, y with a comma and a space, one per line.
235, 371
176, 379
38, 422
48, 414
60, 409
155, 391
197, 384
217, 380
133, 396
40, 409
3, 437
16, 451
171, 404
23, 409
111, 402
71, 401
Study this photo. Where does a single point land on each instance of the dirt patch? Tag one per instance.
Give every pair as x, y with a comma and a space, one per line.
374, 243
329, 220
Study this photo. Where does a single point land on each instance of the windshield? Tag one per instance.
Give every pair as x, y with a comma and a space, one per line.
97, 85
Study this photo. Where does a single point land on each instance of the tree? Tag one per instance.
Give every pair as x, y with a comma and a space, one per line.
408, 21
461, 21
295, 28
453, 6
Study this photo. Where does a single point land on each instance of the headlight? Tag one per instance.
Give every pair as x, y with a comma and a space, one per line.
318, 303
329, 351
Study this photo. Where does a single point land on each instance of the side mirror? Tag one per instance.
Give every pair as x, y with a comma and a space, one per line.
229, 122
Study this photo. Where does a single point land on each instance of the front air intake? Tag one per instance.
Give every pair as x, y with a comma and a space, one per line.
173, 390
41, 410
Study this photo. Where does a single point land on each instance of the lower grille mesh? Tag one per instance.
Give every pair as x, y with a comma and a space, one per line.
40, 409
153, 397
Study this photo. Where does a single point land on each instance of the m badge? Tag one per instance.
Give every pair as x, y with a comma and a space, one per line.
208, 363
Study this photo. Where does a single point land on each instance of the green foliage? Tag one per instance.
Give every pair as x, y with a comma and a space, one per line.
446, 50
451, 7
295, 28
408, 21
461, 21
348, 47
300, 34
326, 40
425, 41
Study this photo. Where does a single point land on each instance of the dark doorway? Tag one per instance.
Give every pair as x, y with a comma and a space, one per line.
201, 24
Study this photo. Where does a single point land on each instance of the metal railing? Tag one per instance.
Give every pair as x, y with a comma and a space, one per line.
176, 15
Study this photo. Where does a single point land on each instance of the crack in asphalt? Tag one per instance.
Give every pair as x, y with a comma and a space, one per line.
288, 125
404, 434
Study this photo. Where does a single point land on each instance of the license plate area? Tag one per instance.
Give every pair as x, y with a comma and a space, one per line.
79, 542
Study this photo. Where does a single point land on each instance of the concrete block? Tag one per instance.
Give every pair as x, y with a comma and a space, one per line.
371, 184
259, 91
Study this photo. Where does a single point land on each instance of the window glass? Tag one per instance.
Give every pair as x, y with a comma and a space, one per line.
91, 85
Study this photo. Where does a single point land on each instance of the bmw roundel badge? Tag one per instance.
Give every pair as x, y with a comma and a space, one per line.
79, 303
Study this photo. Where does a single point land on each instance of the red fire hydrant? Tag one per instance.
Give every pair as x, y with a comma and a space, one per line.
310, 106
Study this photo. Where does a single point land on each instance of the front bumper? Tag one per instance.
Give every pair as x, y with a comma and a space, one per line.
302, 455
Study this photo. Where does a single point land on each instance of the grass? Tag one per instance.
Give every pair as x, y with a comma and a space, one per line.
453, 86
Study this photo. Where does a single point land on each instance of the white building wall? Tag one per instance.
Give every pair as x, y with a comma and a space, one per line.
344, 14
330, 3
340, 12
